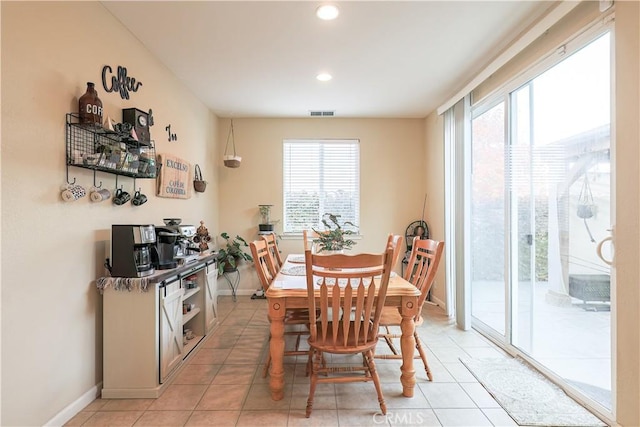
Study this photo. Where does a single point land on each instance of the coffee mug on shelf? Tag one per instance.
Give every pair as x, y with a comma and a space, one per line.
138, 199
73, 192
99, 194
121, 197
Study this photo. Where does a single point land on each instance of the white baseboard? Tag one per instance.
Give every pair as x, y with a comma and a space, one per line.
62, 417
439, 303
239, 292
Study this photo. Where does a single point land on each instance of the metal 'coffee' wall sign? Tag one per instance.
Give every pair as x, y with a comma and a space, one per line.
120, 82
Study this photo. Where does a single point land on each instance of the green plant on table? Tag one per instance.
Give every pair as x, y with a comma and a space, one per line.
335, 236
232, 252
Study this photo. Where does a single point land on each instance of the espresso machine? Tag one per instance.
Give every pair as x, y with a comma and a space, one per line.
175, 244
133, 250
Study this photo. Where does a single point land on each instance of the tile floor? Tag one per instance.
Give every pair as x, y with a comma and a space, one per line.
222, 385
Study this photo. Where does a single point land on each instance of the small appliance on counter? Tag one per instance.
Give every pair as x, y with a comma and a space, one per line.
175, 244
133, 250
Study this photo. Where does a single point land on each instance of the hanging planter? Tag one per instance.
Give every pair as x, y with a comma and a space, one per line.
586, 205
231, 161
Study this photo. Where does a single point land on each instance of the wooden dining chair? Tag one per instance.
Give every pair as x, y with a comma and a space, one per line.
395, 241
263, 262
307, 240
293, 317
273, 249
343, 284
421, 271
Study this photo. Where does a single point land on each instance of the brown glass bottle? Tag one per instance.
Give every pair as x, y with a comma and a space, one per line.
90, 106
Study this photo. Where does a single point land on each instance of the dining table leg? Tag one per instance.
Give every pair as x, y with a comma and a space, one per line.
276, 349
407, 346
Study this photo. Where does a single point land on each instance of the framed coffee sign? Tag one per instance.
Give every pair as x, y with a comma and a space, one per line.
176, 177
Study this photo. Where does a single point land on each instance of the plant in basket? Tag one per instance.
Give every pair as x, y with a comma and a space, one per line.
334, 238
231, 160
232, 253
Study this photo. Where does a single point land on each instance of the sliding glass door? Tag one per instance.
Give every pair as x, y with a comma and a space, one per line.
487, 214
540, 202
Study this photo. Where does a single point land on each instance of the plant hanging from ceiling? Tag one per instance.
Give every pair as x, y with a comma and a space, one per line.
586, 205
231, 161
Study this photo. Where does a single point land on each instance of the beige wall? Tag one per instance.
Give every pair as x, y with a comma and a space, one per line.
53, 251
391, 178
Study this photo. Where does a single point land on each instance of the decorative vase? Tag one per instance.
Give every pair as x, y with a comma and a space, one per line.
90, 106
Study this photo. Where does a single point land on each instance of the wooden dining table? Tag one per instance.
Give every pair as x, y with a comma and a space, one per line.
289, 290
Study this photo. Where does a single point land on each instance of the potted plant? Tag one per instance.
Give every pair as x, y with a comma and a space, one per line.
233, 252
332, 238
265, 217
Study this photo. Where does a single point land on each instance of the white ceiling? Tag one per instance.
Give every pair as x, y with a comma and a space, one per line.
387, 58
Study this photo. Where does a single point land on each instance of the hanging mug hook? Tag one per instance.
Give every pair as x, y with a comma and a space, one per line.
74, 179
94, 180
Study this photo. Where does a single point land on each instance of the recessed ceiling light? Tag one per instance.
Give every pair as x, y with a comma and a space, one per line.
327, 12
324, 77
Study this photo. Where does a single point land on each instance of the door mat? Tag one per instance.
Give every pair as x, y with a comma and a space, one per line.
527, 395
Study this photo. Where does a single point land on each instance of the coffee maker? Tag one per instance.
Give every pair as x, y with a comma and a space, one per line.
167, 248
133, 250
175, 244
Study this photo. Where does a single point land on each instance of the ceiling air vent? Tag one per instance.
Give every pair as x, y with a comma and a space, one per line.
322, 113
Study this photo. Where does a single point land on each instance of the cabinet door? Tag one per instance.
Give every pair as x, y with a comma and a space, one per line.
211, 296
170, 328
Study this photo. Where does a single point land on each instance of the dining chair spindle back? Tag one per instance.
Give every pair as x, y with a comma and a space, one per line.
294, 318
272, 245
263, 262
349, 306
421, 271
395, 241
307, 240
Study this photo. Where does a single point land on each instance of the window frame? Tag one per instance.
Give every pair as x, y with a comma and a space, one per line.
287, 231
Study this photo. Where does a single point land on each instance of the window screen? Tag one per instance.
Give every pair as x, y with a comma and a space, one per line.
320, 176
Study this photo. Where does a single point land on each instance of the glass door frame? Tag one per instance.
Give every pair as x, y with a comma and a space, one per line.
503, 340
502, 94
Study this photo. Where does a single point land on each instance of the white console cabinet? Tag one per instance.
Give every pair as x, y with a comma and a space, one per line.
143, 341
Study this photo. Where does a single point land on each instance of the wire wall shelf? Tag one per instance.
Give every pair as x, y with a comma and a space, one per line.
90, 146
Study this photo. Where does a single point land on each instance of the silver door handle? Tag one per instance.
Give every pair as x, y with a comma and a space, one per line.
599, 250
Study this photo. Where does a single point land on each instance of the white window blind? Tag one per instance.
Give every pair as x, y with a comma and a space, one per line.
320, 176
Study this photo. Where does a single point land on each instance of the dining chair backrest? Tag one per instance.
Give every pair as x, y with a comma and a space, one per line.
307, 240
423, 265
344, 285
272, 245
263, 262
395, 241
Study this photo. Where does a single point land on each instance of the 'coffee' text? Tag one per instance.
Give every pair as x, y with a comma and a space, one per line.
121, 82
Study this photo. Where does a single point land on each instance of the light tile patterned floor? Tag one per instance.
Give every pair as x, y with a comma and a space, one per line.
222, 384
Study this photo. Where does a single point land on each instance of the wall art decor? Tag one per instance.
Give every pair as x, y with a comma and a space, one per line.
172, 136
175, 179
120, 82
